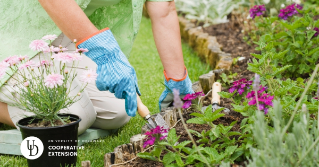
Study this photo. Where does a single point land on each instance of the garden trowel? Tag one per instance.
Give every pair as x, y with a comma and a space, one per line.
217, 87
216, 98
145, 113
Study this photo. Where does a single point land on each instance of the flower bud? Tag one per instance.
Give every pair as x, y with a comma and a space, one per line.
66, 71
26, 84
256, 82
31, 94
74, 40
79, 94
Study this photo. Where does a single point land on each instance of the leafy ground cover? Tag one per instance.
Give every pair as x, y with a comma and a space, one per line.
144, 58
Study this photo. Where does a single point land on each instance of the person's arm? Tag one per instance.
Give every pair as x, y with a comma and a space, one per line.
69, 17
167, 37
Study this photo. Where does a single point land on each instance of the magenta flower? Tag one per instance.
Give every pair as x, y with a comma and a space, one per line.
12, 60
177, 101
156, 134
317, 31
53, 80
264, 99
81, 50
28, 64
257, 10
189, 97
89, 76
49, 37
38, 45
240, 86
289, 11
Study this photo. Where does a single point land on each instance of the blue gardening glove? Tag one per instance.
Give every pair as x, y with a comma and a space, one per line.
115, 73
184, 86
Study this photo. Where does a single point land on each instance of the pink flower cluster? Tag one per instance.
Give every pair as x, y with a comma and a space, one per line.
264, 99
257, 10
240, 86
67, 57
289, 11
317, 31
53, 80
189, 97
154, 135
10, 62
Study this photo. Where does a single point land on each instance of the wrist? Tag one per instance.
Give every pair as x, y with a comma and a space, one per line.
176, 75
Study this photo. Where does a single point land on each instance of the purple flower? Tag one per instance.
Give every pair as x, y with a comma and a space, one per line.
155, 135
317, 33
189, 97
264, 99
289, 11
256, 82
257, 10
177, 101
240, 86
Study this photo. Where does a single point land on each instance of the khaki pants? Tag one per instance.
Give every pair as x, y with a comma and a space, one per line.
98, 109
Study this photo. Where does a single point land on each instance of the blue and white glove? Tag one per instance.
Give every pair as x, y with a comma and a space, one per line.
184, 86
115, 73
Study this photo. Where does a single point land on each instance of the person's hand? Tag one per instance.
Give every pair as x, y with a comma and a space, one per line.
184, 86
115, 73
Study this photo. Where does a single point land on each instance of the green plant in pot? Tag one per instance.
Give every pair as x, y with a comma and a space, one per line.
44, 86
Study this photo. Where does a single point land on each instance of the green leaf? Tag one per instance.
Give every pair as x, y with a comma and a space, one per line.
157, 152
182, 144
195, 132
168, 158
212, 118
190, 159
237, 154
230, 150
179, 160
146, 155
226, 94
196, 121
172, 137
280, 54
196, 114
258, 56
233, 133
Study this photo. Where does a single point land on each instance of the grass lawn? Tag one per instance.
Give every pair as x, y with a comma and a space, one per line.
145, 59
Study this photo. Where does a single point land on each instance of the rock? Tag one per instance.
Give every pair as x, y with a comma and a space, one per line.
197, 87
201, 45
213, 53
206, 81
192, 36
225, 63
109, 159
137, 143
85, 164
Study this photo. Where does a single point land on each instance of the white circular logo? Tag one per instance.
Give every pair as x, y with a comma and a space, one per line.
31, 147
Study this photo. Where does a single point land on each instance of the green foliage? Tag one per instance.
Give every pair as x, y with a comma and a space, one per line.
299, 147
226, 80
216, 145
208, 11
287, 47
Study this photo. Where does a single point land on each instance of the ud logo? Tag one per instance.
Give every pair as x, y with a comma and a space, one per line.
31, 147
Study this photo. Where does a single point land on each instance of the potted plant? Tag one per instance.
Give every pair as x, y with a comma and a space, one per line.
43, 87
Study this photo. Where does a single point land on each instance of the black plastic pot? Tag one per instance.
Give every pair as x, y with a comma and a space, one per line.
66, 135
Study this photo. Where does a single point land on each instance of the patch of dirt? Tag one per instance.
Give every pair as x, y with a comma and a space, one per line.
43, 124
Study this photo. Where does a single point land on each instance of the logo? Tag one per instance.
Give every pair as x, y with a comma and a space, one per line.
31, 147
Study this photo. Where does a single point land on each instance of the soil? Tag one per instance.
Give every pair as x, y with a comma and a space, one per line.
44, 124
230, 36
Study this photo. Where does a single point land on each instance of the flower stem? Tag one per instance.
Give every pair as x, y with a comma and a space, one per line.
299, 101
256, 96
191, 137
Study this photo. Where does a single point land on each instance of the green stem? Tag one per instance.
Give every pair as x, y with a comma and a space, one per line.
299, 101
191, 137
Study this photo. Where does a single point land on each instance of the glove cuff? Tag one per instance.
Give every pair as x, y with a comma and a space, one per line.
90, 36
176, 80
